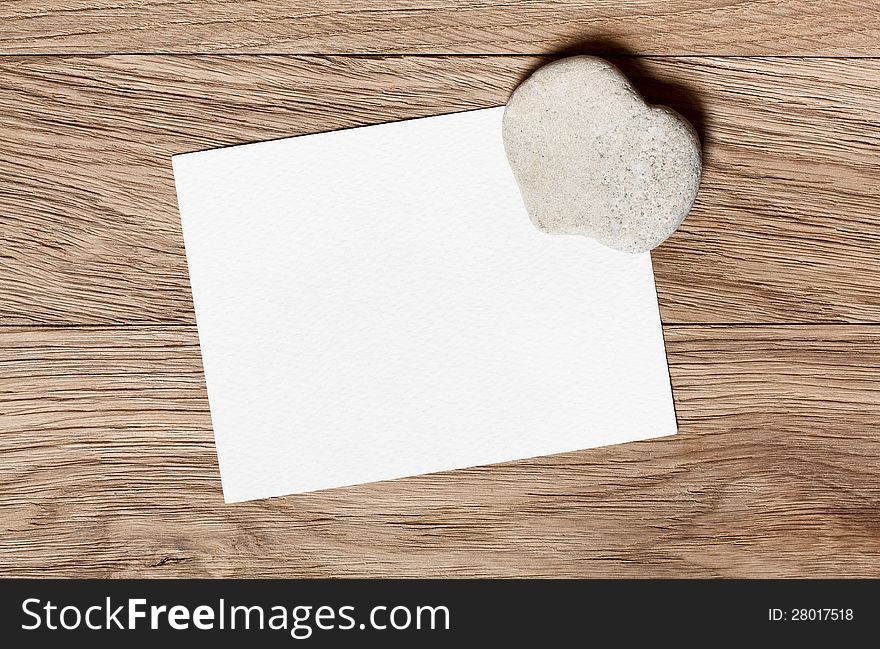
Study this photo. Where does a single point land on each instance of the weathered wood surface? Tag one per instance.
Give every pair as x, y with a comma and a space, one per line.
109, 470
713, 27
786, 227
107, 463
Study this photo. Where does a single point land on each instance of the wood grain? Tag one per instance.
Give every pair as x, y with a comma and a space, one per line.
786, 227
712, 27
109, 470
107, 463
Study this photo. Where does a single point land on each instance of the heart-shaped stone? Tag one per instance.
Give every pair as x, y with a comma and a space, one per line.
592, 158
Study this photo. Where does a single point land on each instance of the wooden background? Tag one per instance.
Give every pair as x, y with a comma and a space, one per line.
770, 292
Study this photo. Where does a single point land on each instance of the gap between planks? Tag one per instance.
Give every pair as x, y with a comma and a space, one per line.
440, 55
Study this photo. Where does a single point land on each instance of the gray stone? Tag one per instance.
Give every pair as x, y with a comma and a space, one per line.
592, 158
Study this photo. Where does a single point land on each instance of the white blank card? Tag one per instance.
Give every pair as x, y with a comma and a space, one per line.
375, 303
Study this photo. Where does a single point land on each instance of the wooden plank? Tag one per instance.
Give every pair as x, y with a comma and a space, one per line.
786, 227
108, 469
746, 27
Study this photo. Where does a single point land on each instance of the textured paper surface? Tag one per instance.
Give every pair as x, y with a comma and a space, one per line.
375, 303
